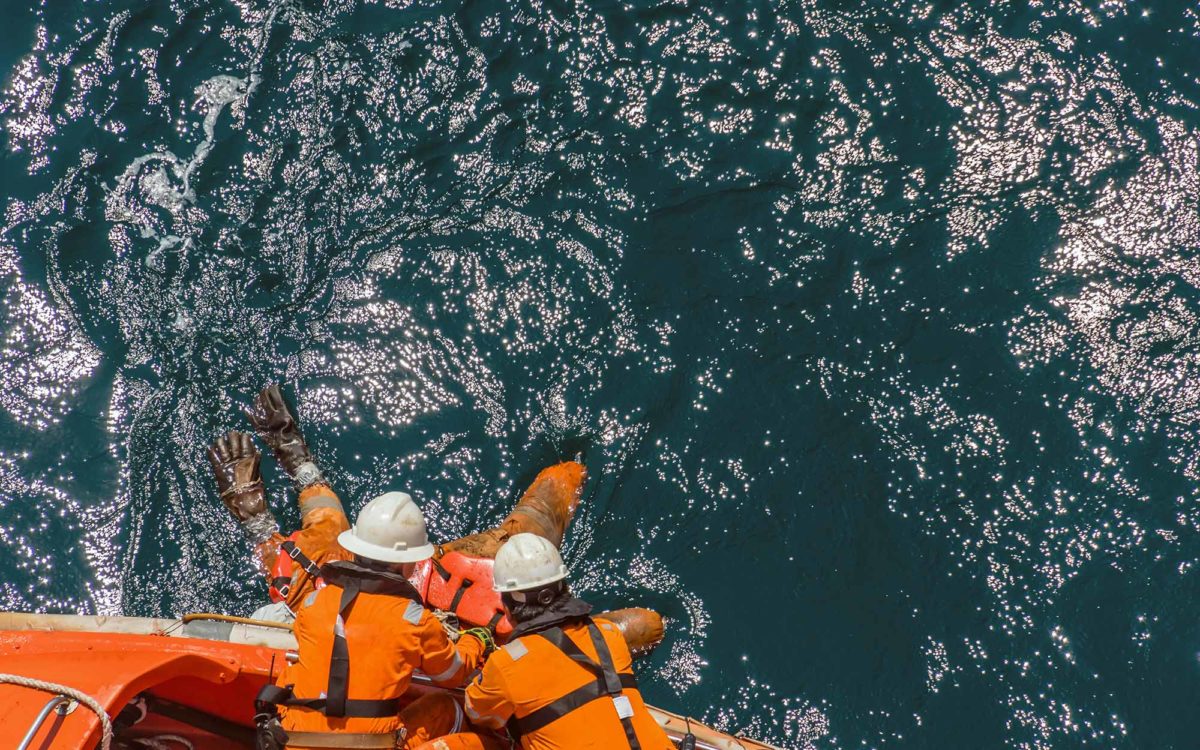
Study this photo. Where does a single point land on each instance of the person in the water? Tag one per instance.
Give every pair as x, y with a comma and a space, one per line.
293, 563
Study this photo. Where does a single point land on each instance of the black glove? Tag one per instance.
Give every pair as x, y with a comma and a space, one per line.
277, 427
235, 463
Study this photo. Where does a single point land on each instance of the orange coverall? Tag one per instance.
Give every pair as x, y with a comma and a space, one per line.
322, 518
388, 637
530, 673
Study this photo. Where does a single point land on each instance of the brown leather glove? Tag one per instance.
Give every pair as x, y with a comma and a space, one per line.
235, 463
274, 423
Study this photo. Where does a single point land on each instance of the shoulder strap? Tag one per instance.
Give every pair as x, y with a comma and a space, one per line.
293, 551
339, 659
559, 639
607, 683
613, 685
283, 583
354, 579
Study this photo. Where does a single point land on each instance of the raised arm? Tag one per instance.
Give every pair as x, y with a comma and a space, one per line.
322, 516
235, 464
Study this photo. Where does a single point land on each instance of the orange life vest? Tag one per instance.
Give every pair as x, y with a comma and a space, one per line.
289, 558
462, 584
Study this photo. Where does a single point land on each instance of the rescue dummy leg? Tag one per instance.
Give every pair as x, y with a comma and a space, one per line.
546, 509
642, 628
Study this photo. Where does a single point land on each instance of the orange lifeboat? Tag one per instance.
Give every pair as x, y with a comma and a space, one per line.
108, 682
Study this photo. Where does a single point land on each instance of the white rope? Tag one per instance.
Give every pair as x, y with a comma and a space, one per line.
76, 695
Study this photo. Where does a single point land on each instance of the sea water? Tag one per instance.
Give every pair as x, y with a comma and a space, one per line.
875, 322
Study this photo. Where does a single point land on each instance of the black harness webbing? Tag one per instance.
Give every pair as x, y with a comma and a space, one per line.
460, 591
458, 595
284, 585
352, 579
339, 659
496, 618
608, 683
304, 560
361, 709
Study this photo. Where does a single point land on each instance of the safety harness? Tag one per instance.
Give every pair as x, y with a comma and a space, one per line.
353, 579
608, 684
284, 570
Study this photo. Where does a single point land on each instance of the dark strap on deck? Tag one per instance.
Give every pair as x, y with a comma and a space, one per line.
359, 709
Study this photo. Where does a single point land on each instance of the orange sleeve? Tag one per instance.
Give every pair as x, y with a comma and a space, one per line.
319, 496
321, 520
266, 552
487, 702
445, 662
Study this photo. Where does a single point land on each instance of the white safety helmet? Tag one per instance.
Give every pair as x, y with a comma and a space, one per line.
391, 528
527, 561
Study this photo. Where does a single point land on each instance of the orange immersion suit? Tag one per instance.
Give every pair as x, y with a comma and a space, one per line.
322, 518
566, 688
360, 639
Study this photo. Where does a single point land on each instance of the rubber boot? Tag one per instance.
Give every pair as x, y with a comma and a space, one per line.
546, 509
642, 628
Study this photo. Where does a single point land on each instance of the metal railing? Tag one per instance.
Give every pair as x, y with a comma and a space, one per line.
60, 704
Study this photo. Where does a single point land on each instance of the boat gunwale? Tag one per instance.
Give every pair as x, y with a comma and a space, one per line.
242, 635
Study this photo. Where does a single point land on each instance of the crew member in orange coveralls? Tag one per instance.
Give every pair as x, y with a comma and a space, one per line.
565, 681
360, 637
292, 564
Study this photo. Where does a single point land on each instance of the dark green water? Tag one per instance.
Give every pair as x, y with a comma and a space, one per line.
878, 324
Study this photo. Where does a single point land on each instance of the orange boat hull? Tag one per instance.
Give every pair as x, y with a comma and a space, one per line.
192, 687
218, 679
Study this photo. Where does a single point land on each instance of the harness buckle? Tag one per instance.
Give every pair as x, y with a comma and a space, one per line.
293, 551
